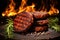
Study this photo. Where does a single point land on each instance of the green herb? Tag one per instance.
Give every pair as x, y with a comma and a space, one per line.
9, 28
53, 23
56, 27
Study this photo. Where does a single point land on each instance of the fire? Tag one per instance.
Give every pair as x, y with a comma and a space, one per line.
23, 7
10, 11
53, 11
30, 8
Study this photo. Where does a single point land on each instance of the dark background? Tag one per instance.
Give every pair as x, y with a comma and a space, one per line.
39, 4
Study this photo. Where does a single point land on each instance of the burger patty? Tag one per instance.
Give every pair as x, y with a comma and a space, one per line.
40, 15
41, 28
42, 22
23, 21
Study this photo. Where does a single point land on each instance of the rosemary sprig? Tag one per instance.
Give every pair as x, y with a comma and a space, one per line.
53, 23
9, 28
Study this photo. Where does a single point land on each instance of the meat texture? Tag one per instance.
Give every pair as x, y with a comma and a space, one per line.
41, 28
40, 15
43, 22
22, 22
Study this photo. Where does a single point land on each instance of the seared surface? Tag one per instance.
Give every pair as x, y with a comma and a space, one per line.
23, 21
41, 28
40, 15
43, 22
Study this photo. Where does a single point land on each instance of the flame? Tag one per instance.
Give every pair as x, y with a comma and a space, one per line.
23, 7
53, 11
10, 11
30, 8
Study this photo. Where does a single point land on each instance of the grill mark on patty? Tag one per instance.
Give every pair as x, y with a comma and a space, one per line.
25, 19
19, 26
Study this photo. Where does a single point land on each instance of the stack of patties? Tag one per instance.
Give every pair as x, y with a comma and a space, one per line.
41, 21
35, 21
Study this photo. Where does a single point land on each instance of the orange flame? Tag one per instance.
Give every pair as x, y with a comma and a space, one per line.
30, 8
22, 8
27, 8
10, 11
53, 11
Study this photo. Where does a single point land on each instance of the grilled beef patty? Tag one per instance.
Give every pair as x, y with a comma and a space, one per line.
42, 22
41, 28
23, 22
40, 15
